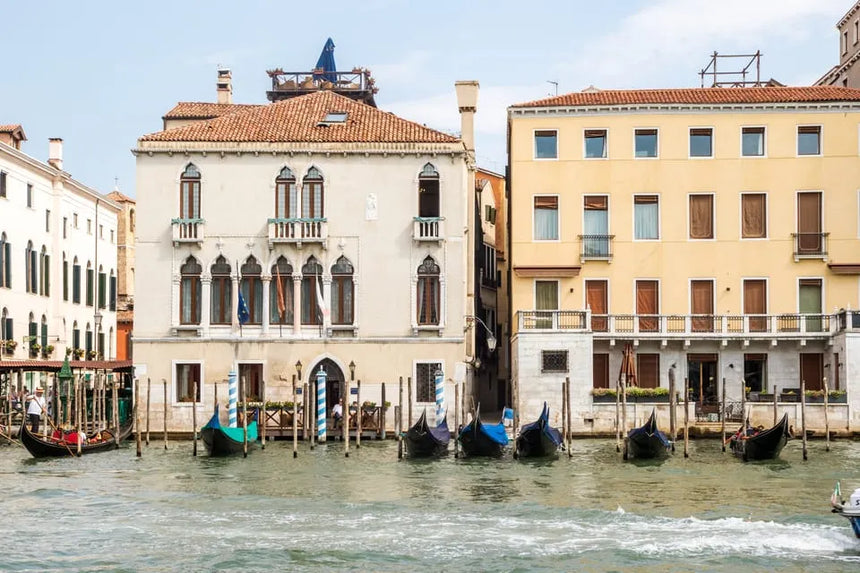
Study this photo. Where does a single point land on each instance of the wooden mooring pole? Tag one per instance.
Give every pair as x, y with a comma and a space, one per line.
409, 401
358, 414
400, 422
624, 414
686, 417
826, 417
564, 429
723, 414
194, 420
345, 419
803, 417
673, 407
618, 415
148, 394
295, 420
261, 415
78, 387
164, 382
382, 420
775, 408
456, 420
137, 436
244, 418
569, 423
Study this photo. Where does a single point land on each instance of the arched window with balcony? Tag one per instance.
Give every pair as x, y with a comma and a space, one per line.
88, 341
43, 333
189, 291
33, 331
6, 329
222, 291
189, 193
76, 336
102, 287
286, 200
112, 291
312, 195
5, 262
342, 292
311, 285
428, 295
252, 289
281, 293
90, 284
428, 191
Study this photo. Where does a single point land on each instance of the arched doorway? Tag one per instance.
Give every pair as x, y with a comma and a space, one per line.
334, 381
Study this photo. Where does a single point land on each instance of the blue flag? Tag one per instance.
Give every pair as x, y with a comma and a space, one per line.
242, 311
508, 414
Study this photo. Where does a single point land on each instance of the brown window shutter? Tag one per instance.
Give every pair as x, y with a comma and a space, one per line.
645, 199
811, 366
596, 202
600, 372
648, 370
545, 202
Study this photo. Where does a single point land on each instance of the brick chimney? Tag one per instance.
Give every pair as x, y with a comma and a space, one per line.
467, 102
225, 86
55, 153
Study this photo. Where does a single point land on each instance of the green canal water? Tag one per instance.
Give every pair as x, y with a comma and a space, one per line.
169, 511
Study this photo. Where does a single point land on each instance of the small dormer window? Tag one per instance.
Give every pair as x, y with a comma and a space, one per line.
335, 117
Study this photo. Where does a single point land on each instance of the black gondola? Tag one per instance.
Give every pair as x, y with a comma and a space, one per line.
647, 441
221, 441
423, 441
538, 439
50, 448
764, 445
479, 439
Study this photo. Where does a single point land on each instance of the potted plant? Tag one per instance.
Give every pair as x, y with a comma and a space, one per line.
368, 406
789, 396
833, 397
10, 346
35, 348
48, 350
603, 395
68, 350
92, 355
79, 353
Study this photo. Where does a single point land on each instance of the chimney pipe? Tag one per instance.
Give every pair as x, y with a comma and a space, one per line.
225, 86
55, 153
467, 102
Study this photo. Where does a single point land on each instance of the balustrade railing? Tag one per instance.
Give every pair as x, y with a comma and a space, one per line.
298, 230
428, 228
188, 230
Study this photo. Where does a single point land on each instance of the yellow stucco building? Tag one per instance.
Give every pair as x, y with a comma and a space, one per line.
715, 230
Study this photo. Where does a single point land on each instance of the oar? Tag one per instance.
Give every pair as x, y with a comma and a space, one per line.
47, 417
11, 440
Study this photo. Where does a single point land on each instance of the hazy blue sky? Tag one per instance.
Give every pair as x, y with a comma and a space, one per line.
101, 74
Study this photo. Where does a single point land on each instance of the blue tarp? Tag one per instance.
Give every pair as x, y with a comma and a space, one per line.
326, 63
235, 434
496, 432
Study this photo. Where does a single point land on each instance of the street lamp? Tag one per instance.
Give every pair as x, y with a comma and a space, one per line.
491, 340
299, 369
351, 370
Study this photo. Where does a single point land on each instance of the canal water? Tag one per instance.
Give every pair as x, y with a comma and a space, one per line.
169, 511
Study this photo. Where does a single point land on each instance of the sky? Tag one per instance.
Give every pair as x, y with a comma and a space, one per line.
101, 74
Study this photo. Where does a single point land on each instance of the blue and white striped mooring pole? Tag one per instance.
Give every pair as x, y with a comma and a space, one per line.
321, 410
440, 397
232, 396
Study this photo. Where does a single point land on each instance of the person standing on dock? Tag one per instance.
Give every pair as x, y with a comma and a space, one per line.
35, 409
337, 413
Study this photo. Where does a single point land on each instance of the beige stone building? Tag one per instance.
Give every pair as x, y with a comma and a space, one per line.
125, 273
344, 228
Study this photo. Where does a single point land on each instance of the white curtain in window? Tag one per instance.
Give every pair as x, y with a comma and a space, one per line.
596, 222
546, 295
294, 202
546, 223
645, 215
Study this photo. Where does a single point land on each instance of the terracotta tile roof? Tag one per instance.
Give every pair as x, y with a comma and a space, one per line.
701, 96
119, 197
204, 110
298, 120
9, 128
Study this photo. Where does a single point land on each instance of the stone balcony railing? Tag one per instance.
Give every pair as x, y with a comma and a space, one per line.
428, 229
188, 230
298, 230
690, 326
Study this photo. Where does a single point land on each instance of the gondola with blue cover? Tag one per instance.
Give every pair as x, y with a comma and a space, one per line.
221, 441
424, 440
538, 439
647, 441
479, 439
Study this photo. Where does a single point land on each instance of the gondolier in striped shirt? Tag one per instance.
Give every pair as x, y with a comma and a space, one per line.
35, 409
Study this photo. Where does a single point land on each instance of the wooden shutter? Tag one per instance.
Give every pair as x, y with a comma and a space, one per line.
701, 216
809, 223
596, 202
754, 216
596, 299
702, 303
600, 372
811, 366
646, 303
648, 366
755, 302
